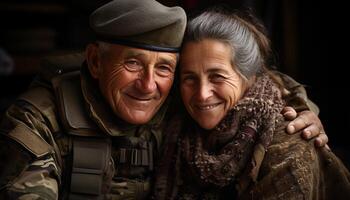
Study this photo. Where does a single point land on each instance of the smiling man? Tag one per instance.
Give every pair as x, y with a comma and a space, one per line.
135, 82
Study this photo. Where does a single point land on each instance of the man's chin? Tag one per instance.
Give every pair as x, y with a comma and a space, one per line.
139, 117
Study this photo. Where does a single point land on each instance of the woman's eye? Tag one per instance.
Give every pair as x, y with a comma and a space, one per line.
188, 79
217, 77
133, 65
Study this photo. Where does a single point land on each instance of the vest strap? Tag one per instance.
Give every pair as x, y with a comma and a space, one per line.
30, 140
141, 156
91, 157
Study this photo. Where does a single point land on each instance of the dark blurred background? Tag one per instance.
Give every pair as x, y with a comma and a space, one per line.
309, 38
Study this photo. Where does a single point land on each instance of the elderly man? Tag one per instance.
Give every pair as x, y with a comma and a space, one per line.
96, 133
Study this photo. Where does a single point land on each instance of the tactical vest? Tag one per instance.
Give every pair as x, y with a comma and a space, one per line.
97, 158
91, 159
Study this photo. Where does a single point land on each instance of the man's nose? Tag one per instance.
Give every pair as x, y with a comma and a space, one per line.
146, 82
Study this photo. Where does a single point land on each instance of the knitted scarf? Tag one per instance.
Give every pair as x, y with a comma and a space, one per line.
216, 158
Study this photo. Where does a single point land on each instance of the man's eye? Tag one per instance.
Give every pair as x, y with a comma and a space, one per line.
133, 65
164, 70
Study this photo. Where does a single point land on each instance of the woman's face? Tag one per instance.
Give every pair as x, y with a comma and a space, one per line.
210, 86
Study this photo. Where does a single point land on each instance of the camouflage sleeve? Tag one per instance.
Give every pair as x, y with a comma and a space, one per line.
37, 181
29, 166
295, 94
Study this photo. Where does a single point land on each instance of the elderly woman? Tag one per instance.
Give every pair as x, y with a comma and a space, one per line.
236, 147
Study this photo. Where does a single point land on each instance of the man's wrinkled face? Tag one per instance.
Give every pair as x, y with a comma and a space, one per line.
135, 82
210, 86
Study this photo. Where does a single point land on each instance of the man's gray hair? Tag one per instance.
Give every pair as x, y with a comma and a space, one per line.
234, 31
103, 47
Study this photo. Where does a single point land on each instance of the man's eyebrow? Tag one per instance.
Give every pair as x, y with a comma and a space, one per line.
165, 59
133, 54
169, 61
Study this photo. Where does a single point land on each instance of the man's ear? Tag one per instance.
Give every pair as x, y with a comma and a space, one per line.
93, 60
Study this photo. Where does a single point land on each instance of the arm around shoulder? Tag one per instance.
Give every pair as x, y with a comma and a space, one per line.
293, 169
295, 93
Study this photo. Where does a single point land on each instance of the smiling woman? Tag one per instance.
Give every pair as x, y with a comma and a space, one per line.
236, 146
210, 85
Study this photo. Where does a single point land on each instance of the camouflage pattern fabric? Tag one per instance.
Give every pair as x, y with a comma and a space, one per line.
36, 182
23, 175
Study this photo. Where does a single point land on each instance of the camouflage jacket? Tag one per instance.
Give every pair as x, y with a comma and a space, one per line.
37, 131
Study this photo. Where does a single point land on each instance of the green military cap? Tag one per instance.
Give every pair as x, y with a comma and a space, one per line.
143, 24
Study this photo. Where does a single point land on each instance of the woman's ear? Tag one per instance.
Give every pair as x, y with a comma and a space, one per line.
93, 60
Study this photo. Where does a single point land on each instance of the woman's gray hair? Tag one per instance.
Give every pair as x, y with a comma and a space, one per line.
248, 44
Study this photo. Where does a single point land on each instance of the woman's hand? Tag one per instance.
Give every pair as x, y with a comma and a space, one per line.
309, 123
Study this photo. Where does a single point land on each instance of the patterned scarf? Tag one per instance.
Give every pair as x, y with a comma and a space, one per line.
216, 158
